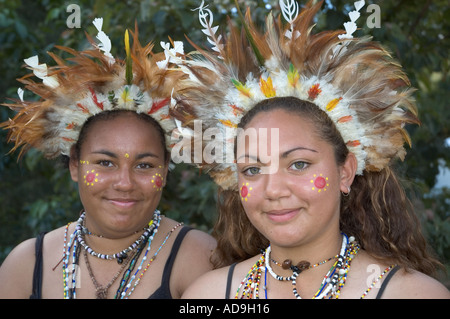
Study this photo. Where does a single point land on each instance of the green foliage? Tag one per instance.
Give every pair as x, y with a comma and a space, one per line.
36, 194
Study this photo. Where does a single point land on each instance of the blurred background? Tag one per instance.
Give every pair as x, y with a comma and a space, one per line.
37, 194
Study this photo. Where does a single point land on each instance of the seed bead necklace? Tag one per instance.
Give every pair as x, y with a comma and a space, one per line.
70, 272
120, 256
330, 286
123, 294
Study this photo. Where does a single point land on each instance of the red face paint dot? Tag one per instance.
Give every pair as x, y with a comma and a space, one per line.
320, 182
244, 191
90, 177
158, 181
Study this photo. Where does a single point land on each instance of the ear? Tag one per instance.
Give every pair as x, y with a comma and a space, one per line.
348, 172
74, 165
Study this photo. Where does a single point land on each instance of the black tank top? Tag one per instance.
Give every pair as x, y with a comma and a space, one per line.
163, 292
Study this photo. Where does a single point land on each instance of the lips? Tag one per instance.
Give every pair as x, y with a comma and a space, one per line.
281, 216
123, 202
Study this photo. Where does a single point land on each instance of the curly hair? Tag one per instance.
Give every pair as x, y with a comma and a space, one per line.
377, 212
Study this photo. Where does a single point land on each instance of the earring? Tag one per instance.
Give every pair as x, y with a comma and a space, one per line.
348, 192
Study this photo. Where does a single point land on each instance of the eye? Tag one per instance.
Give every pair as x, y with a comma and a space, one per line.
251, 171
299, 166
105, 163
144, 166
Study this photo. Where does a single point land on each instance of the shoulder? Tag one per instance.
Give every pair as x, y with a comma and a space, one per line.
197, 240
16, 272
193, 257
194, 241
211, 285
411, 284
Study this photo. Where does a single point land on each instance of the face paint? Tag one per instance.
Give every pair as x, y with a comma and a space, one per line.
320, 183
245, 191
84, 162
90, 178
157, 180
127, 155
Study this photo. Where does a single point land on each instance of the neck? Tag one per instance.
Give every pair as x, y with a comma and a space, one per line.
111, 243
312, 251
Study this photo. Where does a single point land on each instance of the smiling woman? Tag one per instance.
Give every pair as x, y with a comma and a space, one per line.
331, 209
111, 123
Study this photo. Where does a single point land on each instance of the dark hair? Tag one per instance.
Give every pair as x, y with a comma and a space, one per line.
377, 211
110, 115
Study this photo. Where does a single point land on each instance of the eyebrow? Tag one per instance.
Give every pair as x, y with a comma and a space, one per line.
300, 148
283, 155
113, 155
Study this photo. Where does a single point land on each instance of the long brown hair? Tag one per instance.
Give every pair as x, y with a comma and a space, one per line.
377, 211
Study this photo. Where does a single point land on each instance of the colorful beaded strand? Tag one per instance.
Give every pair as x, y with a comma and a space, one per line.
153, 258
376, 280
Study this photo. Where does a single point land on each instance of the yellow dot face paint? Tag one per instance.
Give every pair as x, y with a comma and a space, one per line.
245, 191
320, 183
90, 178
158, 181
127, 155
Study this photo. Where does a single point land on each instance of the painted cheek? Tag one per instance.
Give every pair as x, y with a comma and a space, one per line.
90, 177
319, 183
245, 191
158, 181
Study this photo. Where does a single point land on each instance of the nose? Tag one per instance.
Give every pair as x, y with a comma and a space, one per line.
124, 181
276, 186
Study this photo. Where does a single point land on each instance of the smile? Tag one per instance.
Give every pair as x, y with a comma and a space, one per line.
123, 203
280, 216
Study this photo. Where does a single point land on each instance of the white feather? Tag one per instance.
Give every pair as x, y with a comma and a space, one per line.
105, 42
289, 10
40, 70
206, 18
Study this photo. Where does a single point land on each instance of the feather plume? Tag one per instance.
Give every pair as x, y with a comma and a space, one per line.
355, 81
206, 19
89, 83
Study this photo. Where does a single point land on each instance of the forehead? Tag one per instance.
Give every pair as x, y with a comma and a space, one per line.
291, 128
124, 132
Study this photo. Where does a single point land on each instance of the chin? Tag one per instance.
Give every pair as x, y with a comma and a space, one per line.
287, 236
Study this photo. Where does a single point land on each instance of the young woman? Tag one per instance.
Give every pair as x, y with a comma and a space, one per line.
313, 210
113, 130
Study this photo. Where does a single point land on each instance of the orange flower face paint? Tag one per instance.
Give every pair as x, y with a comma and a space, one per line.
319, 183
245, 191
90, 177
158, 181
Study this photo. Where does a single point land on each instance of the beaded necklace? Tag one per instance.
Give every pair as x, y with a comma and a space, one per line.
330, 286
70, 275
123, 294
120, 256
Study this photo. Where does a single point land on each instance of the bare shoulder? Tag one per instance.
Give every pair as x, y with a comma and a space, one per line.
211, 285
16, 272
193, 260
198, 240
412, 284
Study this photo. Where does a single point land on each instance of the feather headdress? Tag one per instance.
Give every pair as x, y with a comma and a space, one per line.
86, 84
354, 80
